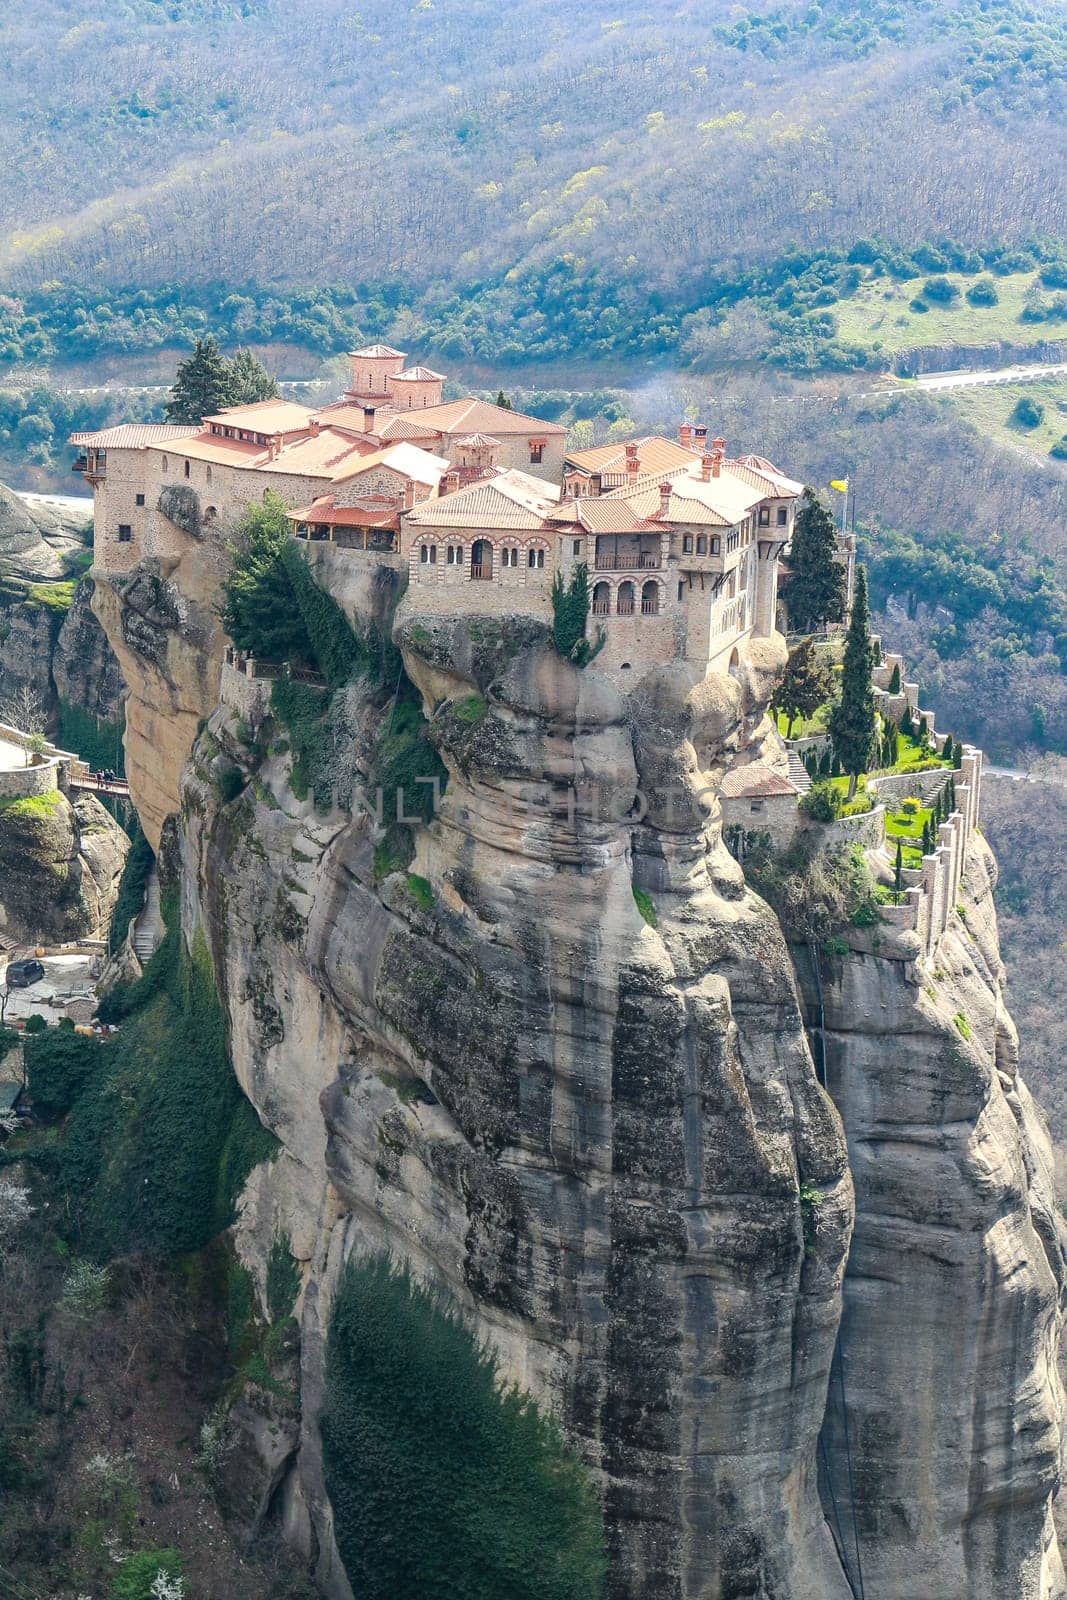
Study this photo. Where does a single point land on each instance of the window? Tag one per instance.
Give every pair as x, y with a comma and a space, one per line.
577, 547
166, 464
650, 598
601, 599
187, 469
140, 499
783, 516
764, 516
454, 557
209, 474
733, 538
511, 557
125, 533
428, 555
716, 545
681, 591
687, 544
211, 513
702, 544
624, 605
535, 558
536, 452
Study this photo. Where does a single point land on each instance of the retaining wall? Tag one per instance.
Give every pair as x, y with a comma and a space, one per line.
22, 782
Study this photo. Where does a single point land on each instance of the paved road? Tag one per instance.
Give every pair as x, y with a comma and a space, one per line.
11, 756
72, 504
968, 380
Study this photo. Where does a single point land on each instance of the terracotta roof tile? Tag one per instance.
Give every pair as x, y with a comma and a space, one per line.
378, 352
265, 416
756, 781
482, 416
511, 500
654, 454
135, 435
417, 375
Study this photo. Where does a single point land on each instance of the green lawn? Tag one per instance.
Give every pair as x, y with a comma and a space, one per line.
910, 754
988, 407
806, 727
909, 830
879, 313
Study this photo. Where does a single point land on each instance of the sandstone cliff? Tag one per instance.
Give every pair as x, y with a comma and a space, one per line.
608, 1139
60, 865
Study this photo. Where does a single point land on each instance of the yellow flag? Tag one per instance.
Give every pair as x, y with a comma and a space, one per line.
839, 483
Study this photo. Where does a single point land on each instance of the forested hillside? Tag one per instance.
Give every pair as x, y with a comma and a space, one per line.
453, 141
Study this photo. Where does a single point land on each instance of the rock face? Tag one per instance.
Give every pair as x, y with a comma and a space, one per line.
608, 1140
60, 865
85, 669
952, 1318
160, 622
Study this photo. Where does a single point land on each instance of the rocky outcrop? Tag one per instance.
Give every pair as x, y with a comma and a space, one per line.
85, 669
60, 865
913, 362
560, 1067
161, 622
943, 1429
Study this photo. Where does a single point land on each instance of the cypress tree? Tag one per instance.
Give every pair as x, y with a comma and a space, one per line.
249, 381
947, 748
894, 681
907, 727
957, 755
853, 721
806, 684
898, 869
928, 837
817, 588
824, 762
201, 384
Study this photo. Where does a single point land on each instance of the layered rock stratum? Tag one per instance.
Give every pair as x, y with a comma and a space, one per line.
805, 1337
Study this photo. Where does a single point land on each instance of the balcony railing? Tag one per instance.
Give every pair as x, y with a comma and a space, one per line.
639, 563
625, 608
649, 608
602, 608
481, 569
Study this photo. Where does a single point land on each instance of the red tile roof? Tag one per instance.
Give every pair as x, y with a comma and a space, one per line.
756, 781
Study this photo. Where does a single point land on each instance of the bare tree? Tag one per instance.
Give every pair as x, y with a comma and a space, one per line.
24, 709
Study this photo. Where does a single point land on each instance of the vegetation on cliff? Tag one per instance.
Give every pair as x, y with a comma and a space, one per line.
443, 1479
158, 1138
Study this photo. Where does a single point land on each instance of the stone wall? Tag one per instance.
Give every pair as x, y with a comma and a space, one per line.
19, 783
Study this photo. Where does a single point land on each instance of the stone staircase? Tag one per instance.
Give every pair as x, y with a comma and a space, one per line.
798, 772
148, 929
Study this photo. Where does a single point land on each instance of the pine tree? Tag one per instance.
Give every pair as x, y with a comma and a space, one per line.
817, 588
853, 721
201, 384
806, 684
894, 681
503, 401
249, 381
898, 870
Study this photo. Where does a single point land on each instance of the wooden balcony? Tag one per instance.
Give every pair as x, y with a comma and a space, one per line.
641, 563
481, 569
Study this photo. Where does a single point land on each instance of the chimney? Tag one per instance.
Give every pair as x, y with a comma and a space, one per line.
313, 427
705, 466
718, 456
368, 419
409, 494
596, 483
700, 437
685, 433
664, 497
633, 463
274, 449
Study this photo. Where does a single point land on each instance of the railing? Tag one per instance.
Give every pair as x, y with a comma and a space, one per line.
481, 569
81, 465
601, 608
625, 608
649, 608
640, 563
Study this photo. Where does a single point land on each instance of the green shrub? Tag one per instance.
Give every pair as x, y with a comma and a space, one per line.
1027, 413
941, 290
823, 802
59, 1064
160, 1138
442, 1480
35, 1023
816, 895
131, 887
647, 907
283, 1278
1059, 449
983, 292
421, 891
302, 708
138, 1573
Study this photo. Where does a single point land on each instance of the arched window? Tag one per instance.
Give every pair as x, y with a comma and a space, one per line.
211, 513
509, 556
702, 544
650, 598
455, 555
209, 474
601, 598
624, 606
735, 662
166, 464
481, 559
187, 469
535, 559
428, 555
